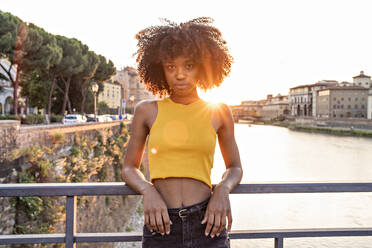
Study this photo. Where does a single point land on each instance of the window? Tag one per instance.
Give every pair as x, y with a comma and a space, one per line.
342, 98
356, 106
349, 99
334, 106
342, 106
356, 98
334, 98
334, 115
349, 106
341, 115
362, 106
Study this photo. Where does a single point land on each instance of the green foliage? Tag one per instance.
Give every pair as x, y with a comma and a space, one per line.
34, 119
85, 164
139, 209
33, 206
10, 117
59, 138
75, 151
35, 85
56, 118
102, 108
129, 110
8, 34
279, 118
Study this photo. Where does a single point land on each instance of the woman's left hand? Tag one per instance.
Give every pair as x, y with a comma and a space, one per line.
217, 211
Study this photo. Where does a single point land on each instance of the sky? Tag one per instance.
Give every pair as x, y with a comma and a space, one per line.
276, 45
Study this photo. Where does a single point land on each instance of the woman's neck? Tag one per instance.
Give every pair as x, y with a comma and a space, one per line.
184, 99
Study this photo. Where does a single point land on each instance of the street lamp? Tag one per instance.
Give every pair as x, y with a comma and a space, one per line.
95, 90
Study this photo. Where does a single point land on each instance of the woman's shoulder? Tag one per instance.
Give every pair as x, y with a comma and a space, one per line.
145, 106
219, 108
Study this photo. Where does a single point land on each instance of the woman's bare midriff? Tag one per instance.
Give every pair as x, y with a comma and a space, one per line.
182, 192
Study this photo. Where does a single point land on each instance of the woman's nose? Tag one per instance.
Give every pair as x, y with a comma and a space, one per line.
180, 73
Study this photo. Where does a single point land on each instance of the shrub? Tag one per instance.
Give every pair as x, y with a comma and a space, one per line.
34, 119
10, 117
56, 118
58, 138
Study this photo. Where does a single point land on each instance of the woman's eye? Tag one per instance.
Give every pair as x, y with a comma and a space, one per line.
171, 67
189, 66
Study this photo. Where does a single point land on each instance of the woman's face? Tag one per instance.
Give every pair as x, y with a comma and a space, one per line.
181, 75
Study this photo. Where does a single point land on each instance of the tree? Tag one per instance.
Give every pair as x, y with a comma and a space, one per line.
71, 64
26, 47
81, 81
35, 86
43, 57
12, 36
105, 70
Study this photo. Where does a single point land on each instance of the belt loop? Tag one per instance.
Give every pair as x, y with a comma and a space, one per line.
180, 214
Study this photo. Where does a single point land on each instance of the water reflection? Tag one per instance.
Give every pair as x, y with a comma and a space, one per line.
278, 154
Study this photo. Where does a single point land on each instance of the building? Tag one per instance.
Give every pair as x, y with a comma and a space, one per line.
320, 85
6, 93
111, 95
365, 81
302, 99
132, 90
252, 108
362, 80
275, 107
342, 102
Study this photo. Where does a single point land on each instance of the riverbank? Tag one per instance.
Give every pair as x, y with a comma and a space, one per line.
343, 131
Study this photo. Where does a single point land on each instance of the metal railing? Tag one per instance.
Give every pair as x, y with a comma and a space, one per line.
72, 190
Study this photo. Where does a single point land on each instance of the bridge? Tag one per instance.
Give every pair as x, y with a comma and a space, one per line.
240, 113
72, 190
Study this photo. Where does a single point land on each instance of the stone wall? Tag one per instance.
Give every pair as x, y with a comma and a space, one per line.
95, 213
356, 123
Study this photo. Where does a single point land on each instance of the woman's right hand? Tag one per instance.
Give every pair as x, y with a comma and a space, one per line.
156, 212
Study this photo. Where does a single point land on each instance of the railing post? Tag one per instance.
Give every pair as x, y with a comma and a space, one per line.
278, 242
70, 221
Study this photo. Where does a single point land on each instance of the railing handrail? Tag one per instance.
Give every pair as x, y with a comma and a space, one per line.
72, 190
118, 188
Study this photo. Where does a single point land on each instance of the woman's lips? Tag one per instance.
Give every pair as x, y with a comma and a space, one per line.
181, 86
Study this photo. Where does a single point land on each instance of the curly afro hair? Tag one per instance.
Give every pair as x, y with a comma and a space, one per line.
196, 39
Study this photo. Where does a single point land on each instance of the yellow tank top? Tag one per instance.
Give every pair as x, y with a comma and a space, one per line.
182, 141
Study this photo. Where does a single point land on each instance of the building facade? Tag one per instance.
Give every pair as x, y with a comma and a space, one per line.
275, 107
6, 93
342, 102
301, 100
132, 90
252, 108
362, 80
111, 95
365, 81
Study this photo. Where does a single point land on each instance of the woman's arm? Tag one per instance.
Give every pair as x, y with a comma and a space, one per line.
219, 206
155, 209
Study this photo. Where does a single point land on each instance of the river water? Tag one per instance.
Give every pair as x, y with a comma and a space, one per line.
275, 154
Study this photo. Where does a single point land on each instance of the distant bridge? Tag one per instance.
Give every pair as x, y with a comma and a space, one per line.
240, 114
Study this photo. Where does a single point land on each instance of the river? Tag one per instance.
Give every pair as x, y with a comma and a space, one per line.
275, 154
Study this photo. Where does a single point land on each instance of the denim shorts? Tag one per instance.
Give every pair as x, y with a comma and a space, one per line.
186, 231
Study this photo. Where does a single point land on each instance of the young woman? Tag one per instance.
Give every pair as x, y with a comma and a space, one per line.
181, 207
